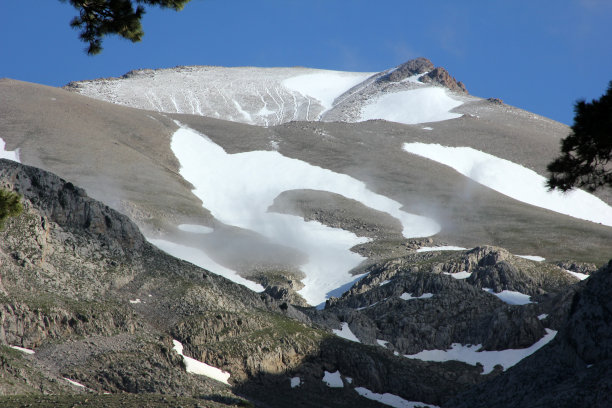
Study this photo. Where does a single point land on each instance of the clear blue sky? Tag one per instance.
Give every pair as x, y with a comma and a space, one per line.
539, 55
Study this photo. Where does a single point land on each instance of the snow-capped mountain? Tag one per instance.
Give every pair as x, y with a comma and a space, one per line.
369, 195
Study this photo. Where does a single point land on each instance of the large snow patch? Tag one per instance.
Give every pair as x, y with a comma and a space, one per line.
515, 181
238, 189
423, 105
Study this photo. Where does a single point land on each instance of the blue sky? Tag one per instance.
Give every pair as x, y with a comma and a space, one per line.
538, 55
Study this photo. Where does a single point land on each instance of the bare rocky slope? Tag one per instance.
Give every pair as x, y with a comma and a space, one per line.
100, 306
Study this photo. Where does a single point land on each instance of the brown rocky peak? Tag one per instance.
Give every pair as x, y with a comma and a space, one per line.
440, 76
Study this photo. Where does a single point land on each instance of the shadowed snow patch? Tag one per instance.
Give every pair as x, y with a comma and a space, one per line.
333, 380
346, 333
489, 359
391, 399
511, 297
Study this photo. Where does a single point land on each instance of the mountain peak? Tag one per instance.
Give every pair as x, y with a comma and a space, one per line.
426, 72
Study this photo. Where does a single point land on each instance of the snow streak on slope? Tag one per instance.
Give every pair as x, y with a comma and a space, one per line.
238, 189
489, 359
197, 367
431, 104
199, 258
258, 96
8, 154
515, 181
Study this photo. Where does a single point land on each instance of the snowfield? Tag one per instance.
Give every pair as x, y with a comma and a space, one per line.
238, 189
489, 359
431, 104
515, 181
391, 399
257, 96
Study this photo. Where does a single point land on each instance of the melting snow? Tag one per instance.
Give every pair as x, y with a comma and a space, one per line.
199, 258
408, 296
515, 181
390, 399
346, 333
511, 297
581, 276
238, 189
489, 359
8, 154
430, 104
459, 275
333, 380
532, 258
23, 350
196, 229
197, 367
382, 343
74, 383
296, 382
441, 248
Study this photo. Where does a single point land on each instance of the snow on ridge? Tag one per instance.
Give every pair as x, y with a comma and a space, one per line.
441, 248
471, 354
249, 184
194, 366
8, 154
515, 181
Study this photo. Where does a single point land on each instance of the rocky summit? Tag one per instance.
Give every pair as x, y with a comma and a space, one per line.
273, 237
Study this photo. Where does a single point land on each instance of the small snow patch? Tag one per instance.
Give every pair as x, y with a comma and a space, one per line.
23, 349
441, 248
542, 316
532, 258
346, 333
296, 382
74, 383
390, 399
408, 296
384, 282
135, 301
382, 343
511, 297
427, 128
197, 367
578, 275
333, 380
459, 275
8, 154
196, 229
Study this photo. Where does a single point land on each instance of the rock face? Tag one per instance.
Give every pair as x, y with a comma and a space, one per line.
440, 76
441, 309
574, 370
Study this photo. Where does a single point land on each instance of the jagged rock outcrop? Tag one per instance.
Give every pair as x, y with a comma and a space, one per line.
440, 76
573, 370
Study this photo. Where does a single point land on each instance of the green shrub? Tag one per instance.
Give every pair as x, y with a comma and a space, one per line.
10, 205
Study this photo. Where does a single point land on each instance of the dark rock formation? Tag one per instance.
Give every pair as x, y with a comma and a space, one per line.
440, 76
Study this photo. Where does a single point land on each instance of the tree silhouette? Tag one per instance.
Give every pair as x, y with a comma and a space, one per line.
586, 153
98, 18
